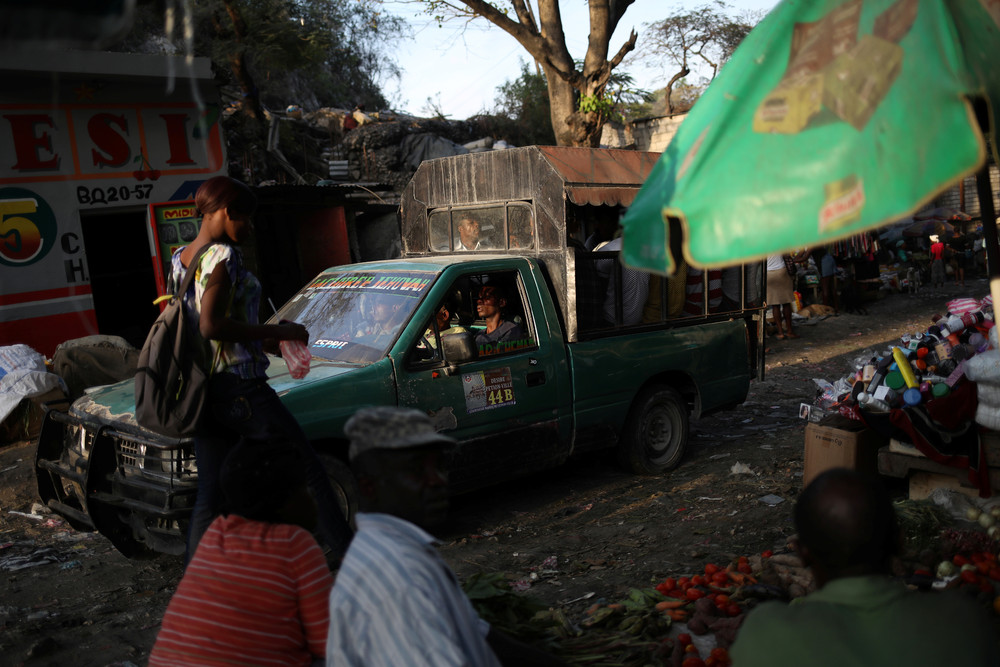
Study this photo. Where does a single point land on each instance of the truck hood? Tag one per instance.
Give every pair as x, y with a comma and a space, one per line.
114, 404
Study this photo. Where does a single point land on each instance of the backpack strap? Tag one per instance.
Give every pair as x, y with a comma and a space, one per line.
191, 270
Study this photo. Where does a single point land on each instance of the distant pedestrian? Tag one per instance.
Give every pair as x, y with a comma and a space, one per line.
961, 254
937, 262
781, 293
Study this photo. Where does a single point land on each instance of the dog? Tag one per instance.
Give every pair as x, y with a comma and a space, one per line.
913, 280
816, 310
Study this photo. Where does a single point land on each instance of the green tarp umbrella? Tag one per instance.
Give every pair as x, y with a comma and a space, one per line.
832, 117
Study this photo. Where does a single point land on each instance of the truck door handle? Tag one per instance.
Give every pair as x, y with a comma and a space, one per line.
535, 379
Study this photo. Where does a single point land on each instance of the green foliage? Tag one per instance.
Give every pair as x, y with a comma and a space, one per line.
619, 99
521, 111
308, 52
512, 612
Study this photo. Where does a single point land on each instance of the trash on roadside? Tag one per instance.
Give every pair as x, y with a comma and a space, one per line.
16, 561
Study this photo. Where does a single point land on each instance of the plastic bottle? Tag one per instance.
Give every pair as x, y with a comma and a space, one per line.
943, 349
972, 319
940, 390
957, 325
870, 401
297, 357
912, 396
904, 367
881, 371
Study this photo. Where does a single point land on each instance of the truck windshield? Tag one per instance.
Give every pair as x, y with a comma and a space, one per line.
355, 316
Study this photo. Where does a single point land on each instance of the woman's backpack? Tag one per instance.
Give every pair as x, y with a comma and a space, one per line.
171, 379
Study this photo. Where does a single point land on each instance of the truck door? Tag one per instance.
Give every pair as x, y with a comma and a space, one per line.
508, 406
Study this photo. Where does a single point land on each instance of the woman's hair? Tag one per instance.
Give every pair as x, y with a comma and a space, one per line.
222, 192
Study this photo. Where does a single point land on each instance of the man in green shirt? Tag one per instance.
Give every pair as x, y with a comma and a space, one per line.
848, 535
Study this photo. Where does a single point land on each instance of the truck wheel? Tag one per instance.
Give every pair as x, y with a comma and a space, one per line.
345, 487
656, 432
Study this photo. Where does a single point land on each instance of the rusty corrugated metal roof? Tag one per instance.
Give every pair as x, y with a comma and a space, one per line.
586, 170
601, 196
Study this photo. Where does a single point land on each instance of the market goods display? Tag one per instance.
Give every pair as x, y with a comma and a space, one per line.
937, 389
691, 619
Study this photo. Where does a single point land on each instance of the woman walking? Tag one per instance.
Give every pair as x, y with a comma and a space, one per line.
780, 294
223, 300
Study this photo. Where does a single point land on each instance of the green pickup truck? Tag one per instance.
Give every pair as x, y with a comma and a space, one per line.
498, 322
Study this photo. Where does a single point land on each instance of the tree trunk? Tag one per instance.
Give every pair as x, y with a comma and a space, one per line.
670, 87
237, 63
546, 42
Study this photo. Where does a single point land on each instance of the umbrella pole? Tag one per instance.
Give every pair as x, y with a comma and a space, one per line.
988, 214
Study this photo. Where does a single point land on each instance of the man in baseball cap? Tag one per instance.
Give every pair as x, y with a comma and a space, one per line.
395, 600
396, 455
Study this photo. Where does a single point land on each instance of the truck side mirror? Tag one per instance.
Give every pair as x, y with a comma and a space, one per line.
459, 348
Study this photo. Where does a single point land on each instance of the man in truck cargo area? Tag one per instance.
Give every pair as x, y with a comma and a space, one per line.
468, 234
848, 536
396, 601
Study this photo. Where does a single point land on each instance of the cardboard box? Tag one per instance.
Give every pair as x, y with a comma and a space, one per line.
840, 443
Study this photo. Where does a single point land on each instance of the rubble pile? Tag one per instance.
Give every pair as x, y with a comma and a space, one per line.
385, 148
383, 151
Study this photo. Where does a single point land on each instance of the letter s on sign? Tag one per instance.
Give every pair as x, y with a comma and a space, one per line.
114, 145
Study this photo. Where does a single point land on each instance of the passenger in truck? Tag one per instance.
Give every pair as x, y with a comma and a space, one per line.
468, 234
490, 304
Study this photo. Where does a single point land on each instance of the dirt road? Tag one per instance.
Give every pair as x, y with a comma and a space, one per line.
585, 532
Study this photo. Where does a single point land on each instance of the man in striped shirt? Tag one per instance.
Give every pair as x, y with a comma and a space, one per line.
256, 589
396, 603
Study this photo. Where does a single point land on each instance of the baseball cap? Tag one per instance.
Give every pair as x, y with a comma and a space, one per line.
387, 427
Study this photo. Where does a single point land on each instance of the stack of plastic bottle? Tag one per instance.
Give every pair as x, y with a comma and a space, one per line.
927, 365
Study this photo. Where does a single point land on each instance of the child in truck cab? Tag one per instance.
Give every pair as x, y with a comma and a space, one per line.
489, 306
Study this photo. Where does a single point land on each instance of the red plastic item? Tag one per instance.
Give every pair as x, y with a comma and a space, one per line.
297, 357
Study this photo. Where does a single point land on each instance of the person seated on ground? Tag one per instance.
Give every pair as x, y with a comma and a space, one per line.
847, 536
468, 234
396, 601
256, 589
489, 306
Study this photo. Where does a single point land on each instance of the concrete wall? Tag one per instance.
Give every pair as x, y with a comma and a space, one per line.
647, 134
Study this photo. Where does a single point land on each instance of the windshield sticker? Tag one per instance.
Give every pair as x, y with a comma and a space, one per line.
366, 282
488, 390
331, 344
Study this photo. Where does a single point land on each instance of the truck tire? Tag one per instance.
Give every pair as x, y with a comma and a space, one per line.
656, 432
345, 487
